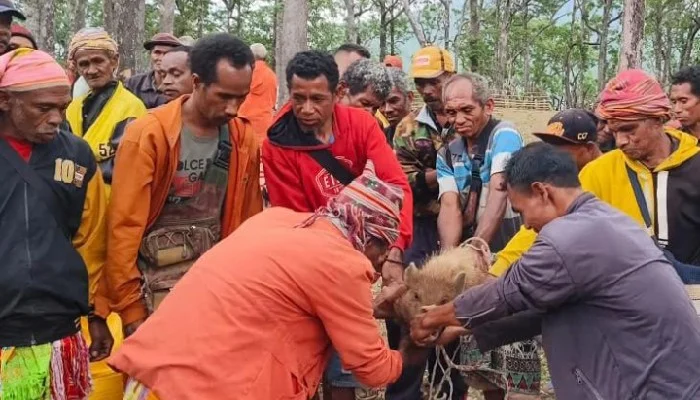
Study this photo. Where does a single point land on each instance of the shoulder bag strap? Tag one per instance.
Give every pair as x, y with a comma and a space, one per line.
639, 195
331, 164
32, 179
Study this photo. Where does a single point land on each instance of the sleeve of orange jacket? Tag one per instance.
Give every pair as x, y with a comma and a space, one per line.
347, 317
89, 241
127, 219
253, 201
389, 170
282, 180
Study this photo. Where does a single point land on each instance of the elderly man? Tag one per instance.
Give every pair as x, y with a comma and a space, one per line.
685, 97
316, 147
186, 176
261, 100
177, 74
100, 116
53, 215
8, 11
365, 84
398, 103
145, 85
228, 310
616, 322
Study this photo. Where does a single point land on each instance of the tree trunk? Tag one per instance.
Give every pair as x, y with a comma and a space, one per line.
202, 11
292, 39
689, 42
382, 29
503, 8
473, 34
447, 4
239, 17
109, 17
526, 50
167, 16
78, 9
128, 19
40, 22
658, 44
350, 27
415, 25
392, 33
632, 35
667, 53
603, 48
277, 23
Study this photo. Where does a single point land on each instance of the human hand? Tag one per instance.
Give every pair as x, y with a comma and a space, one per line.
132, 327
383, 304
101, 339
427, 327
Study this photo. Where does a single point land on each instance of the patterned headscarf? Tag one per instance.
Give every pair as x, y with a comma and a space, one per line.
91, 39
27, 69
632, 95
366, 208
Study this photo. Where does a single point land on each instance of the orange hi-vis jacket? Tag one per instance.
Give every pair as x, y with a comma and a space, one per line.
145, 166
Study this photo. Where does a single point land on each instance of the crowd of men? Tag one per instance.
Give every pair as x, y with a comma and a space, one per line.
238, 243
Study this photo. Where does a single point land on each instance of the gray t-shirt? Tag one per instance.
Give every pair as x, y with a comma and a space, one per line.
196, 154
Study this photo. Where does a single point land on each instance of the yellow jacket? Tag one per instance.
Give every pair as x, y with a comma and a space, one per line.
607, 178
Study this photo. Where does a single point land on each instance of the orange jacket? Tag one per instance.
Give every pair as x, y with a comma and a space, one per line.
260, 103
144, 169
255, 317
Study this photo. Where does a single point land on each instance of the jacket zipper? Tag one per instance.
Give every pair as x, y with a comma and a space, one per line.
29, 252
583, 380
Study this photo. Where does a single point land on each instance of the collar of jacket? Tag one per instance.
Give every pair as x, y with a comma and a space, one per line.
687, 148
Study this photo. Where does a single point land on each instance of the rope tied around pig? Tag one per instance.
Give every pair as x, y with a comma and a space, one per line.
446, 362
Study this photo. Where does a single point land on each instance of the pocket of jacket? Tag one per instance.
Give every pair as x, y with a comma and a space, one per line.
587, 385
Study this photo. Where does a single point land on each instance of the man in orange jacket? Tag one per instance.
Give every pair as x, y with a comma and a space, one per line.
260, 103
186, 175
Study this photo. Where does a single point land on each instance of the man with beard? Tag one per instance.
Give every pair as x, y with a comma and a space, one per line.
100, 116
145, 86
53, 216
186, 176
8, 11
685, 98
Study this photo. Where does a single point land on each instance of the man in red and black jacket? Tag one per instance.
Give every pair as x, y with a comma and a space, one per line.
315, 145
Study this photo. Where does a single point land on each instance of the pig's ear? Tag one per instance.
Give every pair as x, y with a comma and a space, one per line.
460, 280
410, 275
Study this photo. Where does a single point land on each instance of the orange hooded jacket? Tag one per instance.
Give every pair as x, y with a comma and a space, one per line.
145, 166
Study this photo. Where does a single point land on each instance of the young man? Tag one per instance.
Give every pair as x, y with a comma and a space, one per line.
397, 105
145, 85
186, 175
659, 160
316, 147
8, 11
53, 214
261, 100
177, 74
685, 97
365, 84
101, 116
22, 38
614, 309
233, 307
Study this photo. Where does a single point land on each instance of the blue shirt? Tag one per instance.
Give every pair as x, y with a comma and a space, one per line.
504, 140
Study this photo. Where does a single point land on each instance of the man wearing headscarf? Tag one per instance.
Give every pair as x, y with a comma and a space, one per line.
651, 176
100, 116
279, 305
53, 215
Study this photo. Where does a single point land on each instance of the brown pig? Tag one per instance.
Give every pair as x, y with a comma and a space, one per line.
443, 277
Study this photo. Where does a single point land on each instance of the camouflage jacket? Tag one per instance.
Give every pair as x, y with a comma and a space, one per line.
416, 142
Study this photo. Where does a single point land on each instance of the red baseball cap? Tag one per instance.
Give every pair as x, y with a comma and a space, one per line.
393, 61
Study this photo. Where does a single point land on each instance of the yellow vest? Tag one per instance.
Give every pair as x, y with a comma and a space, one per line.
383, 122
122, 105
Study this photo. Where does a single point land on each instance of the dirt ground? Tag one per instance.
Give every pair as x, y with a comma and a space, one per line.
527, 121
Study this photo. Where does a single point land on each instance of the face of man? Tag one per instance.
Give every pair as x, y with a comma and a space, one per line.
344, 59
157, 53
376, 251
464, 113
431, 90
176, 75
36, 115
366, 99
96, 66
397, 106
686, 105
20, 42
5, 32
219, 101
312, 102
636, 138
536, 206
581, 153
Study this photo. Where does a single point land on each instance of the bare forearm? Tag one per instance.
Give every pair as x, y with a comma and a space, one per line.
449, 226
491, 221
431, 178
